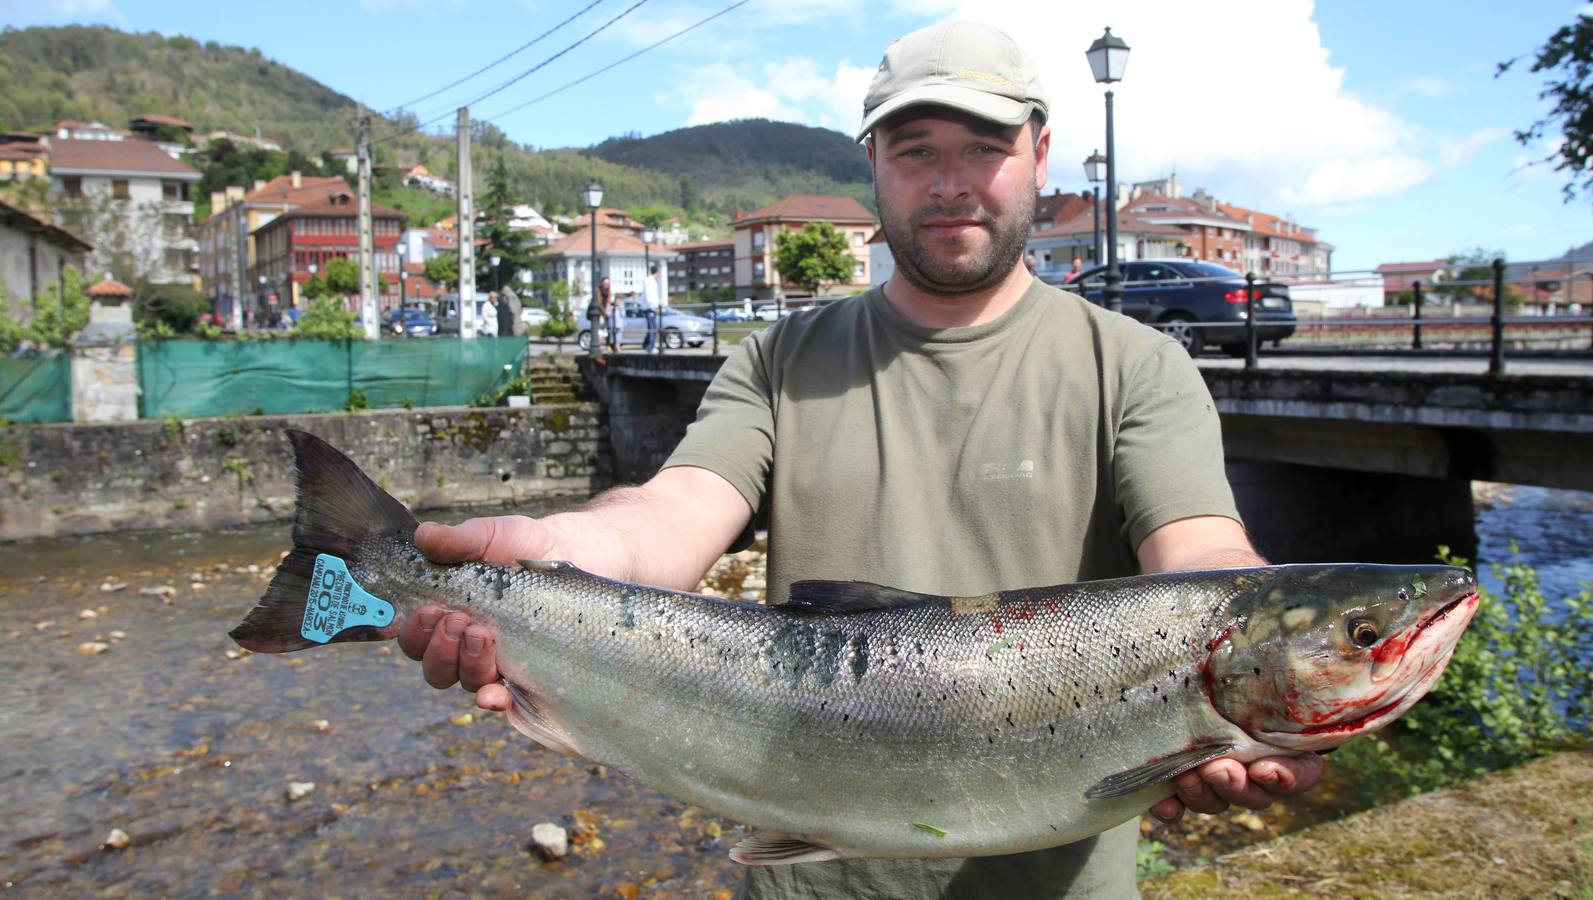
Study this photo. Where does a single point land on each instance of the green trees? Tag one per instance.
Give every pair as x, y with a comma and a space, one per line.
62, 311
1567, 59
326, 319
813, 256
497, 204
444, 268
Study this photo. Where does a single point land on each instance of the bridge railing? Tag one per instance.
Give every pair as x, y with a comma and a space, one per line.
1433, 309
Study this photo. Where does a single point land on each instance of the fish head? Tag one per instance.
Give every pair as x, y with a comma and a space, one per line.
1321, 654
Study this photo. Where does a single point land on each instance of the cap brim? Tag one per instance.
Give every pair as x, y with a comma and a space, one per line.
992, 107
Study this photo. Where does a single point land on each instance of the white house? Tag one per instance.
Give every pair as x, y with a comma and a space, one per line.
134, 199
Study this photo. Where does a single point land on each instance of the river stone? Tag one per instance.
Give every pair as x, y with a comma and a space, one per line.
298, 790
116, 840
550, 840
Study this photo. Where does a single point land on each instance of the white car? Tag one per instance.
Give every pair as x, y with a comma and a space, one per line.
534, 316
769, 312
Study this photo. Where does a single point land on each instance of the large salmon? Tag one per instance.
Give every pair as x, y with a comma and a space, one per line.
862, 721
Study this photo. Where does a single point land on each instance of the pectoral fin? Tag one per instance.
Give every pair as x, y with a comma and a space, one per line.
1154, 772
772, 848
530, 720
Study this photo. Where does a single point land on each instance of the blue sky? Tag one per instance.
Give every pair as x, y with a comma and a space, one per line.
1381, 124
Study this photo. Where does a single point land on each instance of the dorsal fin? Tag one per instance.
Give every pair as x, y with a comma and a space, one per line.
834, 597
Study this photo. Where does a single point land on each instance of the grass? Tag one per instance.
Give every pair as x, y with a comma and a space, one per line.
1523, 832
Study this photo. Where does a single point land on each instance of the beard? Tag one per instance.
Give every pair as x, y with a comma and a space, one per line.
944, 275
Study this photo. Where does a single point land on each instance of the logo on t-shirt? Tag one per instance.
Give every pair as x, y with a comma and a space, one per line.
1006, 471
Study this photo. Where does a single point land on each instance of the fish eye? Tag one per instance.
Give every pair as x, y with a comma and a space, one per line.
1402, 594
1364, 632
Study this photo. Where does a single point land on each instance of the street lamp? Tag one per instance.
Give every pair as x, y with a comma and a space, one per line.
1108, 58
403, 250
656, 326
593, 195
1095, 171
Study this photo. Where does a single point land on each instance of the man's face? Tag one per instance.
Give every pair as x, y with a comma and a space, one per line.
956, 196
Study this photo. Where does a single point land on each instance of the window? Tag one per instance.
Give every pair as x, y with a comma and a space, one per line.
857, 271
857, 238
757, 270
174, 190
757, 239
119, 188
72, 186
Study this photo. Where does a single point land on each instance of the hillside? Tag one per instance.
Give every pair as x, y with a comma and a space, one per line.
710, 171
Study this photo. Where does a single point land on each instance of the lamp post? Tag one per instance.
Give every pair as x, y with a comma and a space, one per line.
1108, 58
1095, 171
656, 325
593, 195
403, 297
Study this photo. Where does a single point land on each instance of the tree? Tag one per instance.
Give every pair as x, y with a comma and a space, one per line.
444, 268
497, 206
813, 256
1567, 58
177, 306
1473, 270
62, 312
342, 276
326, 319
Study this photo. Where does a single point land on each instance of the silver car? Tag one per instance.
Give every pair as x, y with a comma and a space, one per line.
679, 329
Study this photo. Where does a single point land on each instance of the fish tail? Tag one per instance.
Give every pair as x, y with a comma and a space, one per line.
338, 507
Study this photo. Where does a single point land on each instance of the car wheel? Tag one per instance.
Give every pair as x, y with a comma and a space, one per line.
672, 339
585, 340
1178, 328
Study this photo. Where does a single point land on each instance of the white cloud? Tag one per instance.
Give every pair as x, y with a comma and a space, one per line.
20, 12
1459, 152
1427, 86
790, 89
1338, 180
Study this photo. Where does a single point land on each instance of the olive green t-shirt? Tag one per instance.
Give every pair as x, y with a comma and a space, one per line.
1036, 449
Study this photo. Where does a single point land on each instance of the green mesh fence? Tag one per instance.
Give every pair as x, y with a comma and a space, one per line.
36, 389
218, 378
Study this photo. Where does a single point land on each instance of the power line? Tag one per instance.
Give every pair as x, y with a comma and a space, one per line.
497, 61
595, 32
619, 62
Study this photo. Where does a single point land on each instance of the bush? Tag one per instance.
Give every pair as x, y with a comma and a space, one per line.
168, 308
1514, 690
326, 319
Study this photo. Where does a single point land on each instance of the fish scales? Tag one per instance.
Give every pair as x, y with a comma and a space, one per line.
958, 717
860, 720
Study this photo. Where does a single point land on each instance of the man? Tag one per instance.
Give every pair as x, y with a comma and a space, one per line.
1074, 271
962, 429
653, 308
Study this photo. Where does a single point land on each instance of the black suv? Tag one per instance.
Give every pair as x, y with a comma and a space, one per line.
1198, 304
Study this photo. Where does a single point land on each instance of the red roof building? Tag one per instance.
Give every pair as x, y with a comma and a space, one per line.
300, 242
755, 235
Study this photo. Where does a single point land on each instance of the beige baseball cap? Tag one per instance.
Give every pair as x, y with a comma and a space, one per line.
962, 65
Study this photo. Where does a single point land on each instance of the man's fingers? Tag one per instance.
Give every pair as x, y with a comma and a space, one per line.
500, 540
441, 661
1286, 776
478, 664
1169, 810
1191, 790
493, 696
414, 633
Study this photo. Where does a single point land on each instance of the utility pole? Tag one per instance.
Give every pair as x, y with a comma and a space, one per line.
467, 232
366, 232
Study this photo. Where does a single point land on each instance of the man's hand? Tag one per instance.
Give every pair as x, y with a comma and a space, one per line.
1213, 786
451, 649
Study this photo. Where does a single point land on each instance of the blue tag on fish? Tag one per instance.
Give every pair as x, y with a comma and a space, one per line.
337, 602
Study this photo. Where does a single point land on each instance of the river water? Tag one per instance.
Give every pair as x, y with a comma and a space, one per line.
189, 747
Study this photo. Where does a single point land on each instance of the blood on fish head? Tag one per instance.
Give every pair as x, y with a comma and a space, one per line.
1320, 655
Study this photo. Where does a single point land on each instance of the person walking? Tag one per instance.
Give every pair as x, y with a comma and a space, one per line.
961, 429
653, 308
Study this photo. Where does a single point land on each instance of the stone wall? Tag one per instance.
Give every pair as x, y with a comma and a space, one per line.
207, 473
650, 400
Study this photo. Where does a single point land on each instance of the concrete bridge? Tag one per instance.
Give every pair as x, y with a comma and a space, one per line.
1331, 458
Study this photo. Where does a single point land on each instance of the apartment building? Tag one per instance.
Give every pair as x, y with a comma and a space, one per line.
754, 239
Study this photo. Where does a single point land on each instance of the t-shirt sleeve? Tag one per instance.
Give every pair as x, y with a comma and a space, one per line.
1168, 460
733, 435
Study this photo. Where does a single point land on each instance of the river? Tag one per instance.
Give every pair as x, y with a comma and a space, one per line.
126, 707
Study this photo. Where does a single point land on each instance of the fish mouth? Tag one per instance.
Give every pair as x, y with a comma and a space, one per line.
1332, 734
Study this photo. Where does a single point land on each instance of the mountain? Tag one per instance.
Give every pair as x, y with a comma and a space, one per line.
748, 162
708, 171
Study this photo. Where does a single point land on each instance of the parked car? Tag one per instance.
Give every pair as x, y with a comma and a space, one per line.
535, 316
731, 314
1198, 304
769, 312
411, 321
448, 315
679, 329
